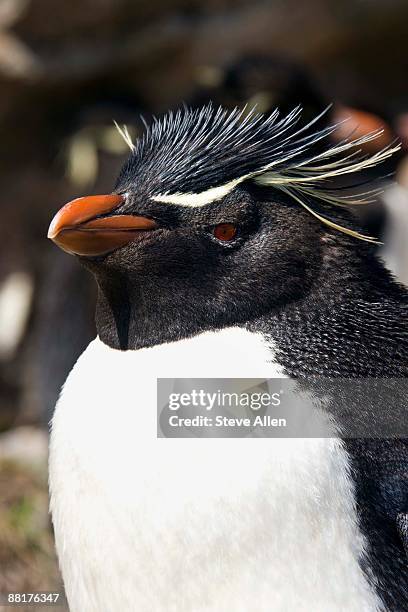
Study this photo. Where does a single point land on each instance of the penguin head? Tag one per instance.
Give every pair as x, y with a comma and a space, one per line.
215, 217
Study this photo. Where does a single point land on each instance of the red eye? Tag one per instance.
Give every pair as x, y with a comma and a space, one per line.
225, 231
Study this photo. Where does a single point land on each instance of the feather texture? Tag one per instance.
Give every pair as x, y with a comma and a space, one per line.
124, 133
196, 157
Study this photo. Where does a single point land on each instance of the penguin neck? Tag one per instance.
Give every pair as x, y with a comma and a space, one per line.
127, 319
349, 324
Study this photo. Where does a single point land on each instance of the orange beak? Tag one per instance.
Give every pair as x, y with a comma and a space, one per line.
80, 227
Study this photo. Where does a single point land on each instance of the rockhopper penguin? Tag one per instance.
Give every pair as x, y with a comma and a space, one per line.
225, 250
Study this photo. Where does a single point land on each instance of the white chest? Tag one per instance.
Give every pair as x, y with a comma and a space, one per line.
195, 525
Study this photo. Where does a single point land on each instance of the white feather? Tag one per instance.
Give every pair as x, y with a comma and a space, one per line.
188, 525
194, 200
124, 132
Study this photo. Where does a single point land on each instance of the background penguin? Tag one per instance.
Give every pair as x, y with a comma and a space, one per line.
216, 257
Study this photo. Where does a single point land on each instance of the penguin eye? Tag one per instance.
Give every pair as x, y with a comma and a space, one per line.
225, 231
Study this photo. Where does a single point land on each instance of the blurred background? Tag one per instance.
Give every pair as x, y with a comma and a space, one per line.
67, 70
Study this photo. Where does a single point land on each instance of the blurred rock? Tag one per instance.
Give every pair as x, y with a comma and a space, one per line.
16, 293
27, 446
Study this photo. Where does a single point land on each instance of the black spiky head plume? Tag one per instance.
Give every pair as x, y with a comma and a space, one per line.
196, 157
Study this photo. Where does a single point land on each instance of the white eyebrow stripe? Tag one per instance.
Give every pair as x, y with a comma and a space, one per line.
195, 200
